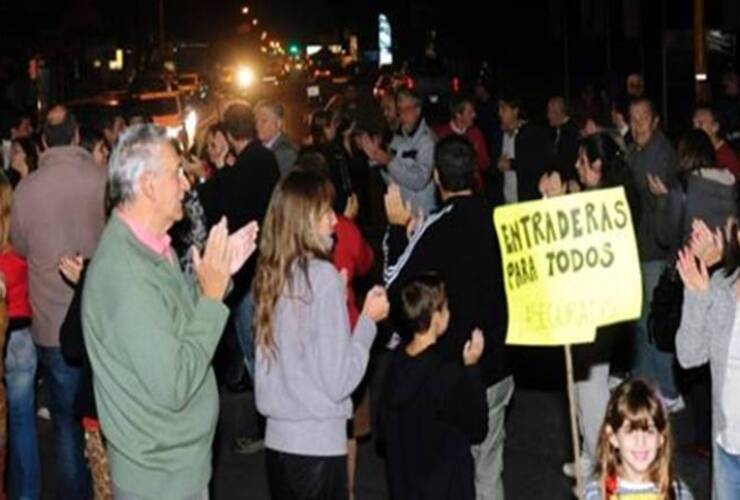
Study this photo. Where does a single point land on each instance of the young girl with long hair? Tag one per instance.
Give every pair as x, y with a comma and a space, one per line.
635, 451
307, 363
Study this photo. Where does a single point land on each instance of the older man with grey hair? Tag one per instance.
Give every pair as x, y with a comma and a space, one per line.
270, 122
149, 333
409, 160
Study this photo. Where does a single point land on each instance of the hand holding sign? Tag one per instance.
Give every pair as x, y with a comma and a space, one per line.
694, 276
705, 244
473, 349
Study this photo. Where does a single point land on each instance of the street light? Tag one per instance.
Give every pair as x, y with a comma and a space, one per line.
264, 35
245, 10
254, 21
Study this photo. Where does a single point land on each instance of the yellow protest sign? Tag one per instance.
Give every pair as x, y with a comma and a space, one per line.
570, 265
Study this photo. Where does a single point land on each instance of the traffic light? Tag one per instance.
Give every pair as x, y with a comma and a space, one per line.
294, 49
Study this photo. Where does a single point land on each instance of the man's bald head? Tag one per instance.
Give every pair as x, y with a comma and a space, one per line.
60, 128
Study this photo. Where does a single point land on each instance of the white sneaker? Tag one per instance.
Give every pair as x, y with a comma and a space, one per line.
674, 405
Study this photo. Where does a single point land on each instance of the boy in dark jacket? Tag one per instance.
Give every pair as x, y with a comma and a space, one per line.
435, 408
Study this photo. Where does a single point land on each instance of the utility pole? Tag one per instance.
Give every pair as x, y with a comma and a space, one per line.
700, 54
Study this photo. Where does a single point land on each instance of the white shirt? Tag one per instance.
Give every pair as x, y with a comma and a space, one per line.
729, 438
508, 149
269, 144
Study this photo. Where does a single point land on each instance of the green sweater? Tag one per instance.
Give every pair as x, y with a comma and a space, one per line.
150, 337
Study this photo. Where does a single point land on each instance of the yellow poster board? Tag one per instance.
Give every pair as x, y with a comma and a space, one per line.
570, 265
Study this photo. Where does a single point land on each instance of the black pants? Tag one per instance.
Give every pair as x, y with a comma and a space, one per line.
300, 477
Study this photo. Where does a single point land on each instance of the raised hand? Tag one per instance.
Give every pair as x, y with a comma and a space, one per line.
376, 305
242, 245
473, 349
706, 244
398, 212
695, 276
71, 268
213, 269
656, 185
551, 185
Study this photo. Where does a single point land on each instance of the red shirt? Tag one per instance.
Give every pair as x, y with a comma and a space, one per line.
15, 272
726, 158
475, 136
353, 254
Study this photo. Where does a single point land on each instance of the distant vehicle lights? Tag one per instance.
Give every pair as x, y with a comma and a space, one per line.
245, 77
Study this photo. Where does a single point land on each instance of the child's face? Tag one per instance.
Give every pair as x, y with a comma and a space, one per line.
637, 449
441, 319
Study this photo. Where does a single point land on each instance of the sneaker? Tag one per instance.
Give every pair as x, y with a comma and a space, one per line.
674, 405
43, 412
248, 445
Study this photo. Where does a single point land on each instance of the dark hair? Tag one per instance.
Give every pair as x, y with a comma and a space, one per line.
646, 101
457, 104
716, 117
320, 119
89, 137
614, 169
311, 159
514, 101
407, 93
61, 134
32, 153
15, 119
137, 112
695, 151
239, 122
731, 257
454, 159
421, 298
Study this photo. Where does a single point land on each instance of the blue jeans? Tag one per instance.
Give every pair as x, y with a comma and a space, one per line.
649, 362
62, 382
726, 474
24, 470
243, 316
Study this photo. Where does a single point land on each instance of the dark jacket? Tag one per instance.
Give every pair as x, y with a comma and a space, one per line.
286, 153
459, 243
73, 349
433, 411
531, 153
656, 158
241, 193
564, 150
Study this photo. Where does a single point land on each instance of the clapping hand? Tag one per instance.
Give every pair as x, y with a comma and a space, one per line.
473, 349
706, 244
242, 245
695, 276
71, 268
551, 185
656, 185
398, 212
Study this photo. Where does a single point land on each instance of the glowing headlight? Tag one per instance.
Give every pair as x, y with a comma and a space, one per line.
245, 77
191, 122
173, 132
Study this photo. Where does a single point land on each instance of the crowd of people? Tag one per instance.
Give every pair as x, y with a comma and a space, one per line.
142, 275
